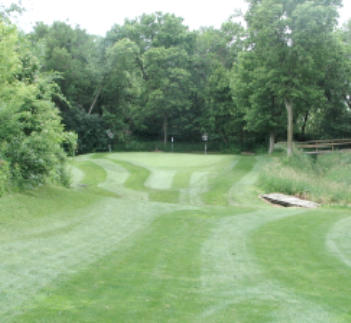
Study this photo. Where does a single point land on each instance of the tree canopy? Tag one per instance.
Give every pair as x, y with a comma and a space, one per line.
291, 42
152, 78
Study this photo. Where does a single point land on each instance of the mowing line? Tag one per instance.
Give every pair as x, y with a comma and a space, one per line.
116, 177
160, 179
230, 272
338, 240
221, 181
77, 175
198, 185
241, 192
29, 265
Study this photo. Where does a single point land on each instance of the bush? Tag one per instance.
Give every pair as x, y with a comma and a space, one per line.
4, 176
90, 128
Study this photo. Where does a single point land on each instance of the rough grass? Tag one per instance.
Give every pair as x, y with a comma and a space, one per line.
325, 179
112, 250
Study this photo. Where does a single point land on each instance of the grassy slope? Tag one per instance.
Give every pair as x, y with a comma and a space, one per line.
103, 252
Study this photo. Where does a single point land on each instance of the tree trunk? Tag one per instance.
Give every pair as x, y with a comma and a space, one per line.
289, 108
271, 142
165, 130
347, 101
303, 128
95, 99
223, 136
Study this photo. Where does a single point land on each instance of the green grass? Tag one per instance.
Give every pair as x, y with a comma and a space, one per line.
113, 248
151, 277
137, 179
222, 183
181, 180
300, 262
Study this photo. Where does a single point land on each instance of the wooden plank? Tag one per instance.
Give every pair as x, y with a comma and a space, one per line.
324, 145
289, 201
328, 140
310, 142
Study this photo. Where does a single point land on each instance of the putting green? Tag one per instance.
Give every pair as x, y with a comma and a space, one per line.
155, 237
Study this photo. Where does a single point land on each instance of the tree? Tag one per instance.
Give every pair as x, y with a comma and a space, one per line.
73, 53
122, 93
151, 56
335, 117
153, 30
168, 83
216, 52
290, 40
31, 132
262, 110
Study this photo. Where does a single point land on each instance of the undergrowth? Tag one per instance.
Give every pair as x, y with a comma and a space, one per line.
322, 178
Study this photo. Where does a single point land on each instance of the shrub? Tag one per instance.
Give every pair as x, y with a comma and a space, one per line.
32, 137
4, 176
90, 128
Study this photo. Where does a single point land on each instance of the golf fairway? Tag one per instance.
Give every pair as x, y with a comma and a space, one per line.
155, 237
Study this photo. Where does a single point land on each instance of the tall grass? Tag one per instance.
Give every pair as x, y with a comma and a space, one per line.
324, 178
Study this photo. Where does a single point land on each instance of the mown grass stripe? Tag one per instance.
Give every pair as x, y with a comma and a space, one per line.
116, 176
300, 261
151, 277
137, 176
220, 186
244, 191
160, 179
137, 179
181, 179
230, 270
338, 240
48, 258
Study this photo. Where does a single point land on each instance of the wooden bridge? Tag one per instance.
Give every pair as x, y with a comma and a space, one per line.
289, 201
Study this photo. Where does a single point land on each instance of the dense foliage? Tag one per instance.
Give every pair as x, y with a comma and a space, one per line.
31, 133
290, 45
153, 79
150, 79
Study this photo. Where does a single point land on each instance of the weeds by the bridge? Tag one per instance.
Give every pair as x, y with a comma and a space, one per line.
324, 179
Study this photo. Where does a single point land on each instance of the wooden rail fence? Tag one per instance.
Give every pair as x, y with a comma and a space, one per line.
324, 146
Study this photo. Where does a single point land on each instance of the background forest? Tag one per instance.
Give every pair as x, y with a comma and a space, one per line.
152, 79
